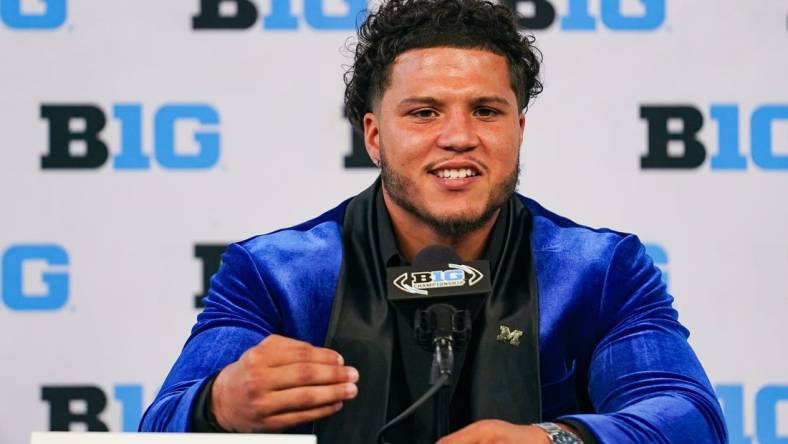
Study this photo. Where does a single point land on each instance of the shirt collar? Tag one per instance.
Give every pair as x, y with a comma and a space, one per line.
389, 249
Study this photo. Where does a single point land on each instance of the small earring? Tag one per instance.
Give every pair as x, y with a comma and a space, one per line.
376, 162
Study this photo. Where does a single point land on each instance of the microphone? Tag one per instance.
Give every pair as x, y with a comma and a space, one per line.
438, 276
438, 273
451, 289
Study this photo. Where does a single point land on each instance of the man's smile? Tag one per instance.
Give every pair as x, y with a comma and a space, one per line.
455, 175
462, 173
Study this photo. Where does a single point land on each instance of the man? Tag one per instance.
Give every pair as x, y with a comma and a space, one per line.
297, 333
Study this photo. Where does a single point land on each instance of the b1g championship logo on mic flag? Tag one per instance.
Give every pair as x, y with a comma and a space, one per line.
455, 280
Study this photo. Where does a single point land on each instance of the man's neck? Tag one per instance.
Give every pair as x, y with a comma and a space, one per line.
413, 234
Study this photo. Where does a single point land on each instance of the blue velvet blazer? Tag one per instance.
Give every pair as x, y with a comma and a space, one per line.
609, 338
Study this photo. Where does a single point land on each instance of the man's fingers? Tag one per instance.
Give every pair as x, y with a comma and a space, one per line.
277, 423
292, 355
283, 341
470, 434
305, 398
308, 374
277, 350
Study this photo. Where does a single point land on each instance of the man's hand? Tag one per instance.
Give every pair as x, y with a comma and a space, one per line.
493, 431
280, 383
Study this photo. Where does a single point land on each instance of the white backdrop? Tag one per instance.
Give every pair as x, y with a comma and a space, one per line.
99, 273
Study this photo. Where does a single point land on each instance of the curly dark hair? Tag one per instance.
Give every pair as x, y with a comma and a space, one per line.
401, 25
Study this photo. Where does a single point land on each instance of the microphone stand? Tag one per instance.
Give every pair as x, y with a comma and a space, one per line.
442, 364
440, 327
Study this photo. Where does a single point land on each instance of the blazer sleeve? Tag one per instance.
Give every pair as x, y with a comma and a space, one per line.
645, 382
238, 314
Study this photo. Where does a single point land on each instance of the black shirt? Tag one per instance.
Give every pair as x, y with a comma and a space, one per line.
411, 362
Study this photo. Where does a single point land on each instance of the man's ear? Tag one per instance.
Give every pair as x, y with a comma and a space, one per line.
522, 126
372, 137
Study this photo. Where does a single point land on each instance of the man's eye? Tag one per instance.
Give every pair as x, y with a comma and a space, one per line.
423, 113
486, 112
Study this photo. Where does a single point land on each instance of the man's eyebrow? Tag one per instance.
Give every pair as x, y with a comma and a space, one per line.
431, 101
419, 101
491, 99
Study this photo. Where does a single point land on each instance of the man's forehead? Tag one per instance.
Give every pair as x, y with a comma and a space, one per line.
450, 68
448, 58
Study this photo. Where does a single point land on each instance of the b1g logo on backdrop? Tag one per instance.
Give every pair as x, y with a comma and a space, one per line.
35, 277
679, 125
64, 411
615, 15
764, 409
244, 14
33, 14
81, 124
210, 255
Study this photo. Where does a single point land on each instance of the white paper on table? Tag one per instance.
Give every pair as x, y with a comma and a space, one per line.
166, 438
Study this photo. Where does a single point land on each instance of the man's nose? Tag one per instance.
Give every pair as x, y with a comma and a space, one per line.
458, 133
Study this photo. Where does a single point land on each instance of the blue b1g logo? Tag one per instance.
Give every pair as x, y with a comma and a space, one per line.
767, 399
244, 14
62, 414
62, 136
33, 14
55, 280
731, 154
614, 15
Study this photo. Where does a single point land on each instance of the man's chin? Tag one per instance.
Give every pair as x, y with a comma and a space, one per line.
458, 224
457, 218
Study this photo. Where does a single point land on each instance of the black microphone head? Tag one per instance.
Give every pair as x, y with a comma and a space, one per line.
435, 255
438, 272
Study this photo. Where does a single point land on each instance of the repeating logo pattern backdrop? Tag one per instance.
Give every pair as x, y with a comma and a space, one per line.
140, 137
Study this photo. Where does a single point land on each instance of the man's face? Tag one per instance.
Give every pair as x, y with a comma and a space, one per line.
447, 132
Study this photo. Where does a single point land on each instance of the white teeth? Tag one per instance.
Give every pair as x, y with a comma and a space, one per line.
456, 174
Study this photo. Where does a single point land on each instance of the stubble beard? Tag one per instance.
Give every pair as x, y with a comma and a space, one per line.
400, 188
